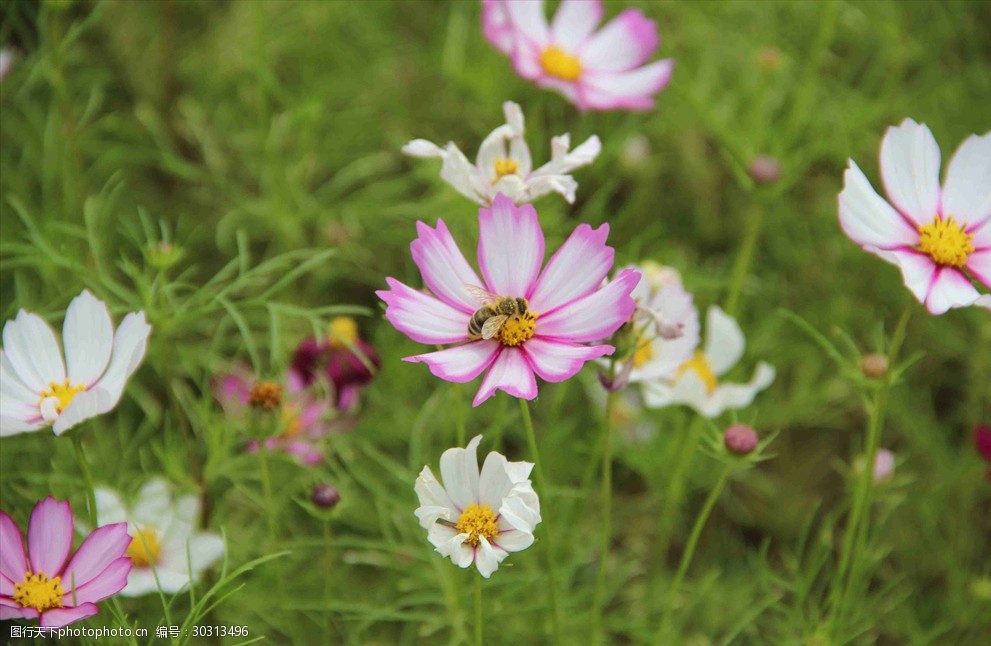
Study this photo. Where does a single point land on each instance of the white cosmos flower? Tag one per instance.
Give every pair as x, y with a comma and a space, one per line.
162, 533
503, 164
39, 389
696, 382
478, 518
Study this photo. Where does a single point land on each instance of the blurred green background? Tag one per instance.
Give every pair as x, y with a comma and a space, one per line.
147, 145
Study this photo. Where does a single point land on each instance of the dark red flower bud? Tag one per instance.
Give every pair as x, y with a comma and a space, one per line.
325, 495
740, 439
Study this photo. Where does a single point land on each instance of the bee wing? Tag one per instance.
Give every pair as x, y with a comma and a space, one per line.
492, 325
483, 296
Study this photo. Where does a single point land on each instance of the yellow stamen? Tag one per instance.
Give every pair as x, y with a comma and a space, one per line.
39, 592
476, 521
517, 329
343, 332
946, 242
561, 64
144, 548
265, 394
700, 364
63, 392
505, 167
643, 354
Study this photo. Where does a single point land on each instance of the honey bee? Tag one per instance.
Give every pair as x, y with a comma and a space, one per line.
487, 320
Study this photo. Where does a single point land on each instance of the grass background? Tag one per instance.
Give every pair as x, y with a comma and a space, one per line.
260, 140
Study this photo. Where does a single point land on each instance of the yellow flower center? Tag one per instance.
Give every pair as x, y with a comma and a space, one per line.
702, 368
561, 64
517, 329
343, 332
39, 592
946, 242
643, 354
505, 167
144, 548
477, 521
64, 392
265, 394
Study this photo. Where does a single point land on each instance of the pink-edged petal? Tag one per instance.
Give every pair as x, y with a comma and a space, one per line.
15, 612
510, 373
567, 89
575, 21
868, 219
556, 361
496, 26
444, 268
510, 247
58, 617
83, 406
575, 270
111, 580
422, 317
50, 536
918, 270
101, 548
910, 170
130, 343
13, 425
461, 363
13, 562
88, 336
979, 265
459, 470
967, 189
950, 288
632, 90
33, 352
592, 317
627, 41
528, 19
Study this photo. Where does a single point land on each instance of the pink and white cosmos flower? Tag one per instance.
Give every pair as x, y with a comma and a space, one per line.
44, 583
567, 305
603, 70
937, 237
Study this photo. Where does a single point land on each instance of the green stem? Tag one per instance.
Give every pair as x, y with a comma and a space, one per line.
854, 540
328, 556
686, 557
460, 412
744, 257
600, 581
77, 444
541, 487
676, 489
267, 490
478, 608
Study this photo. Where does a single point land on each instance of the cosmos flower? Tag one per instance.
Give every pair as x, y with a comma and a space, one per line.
478, 517
163, 537
41, 390
46, 584
940, 238
343, 357
696, 383
563, 307
504, 166
595, 70
303, 415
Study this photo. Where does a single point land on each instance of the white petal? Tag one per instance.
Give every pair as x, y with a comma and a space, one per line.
88, 336
33, 352
154, 505
724, 340
494, 483
575, 21
868, 219
459, 469
657, 394
910, 170
564, 185
514, 116
83, 406
205, 549
451, 544
488, 557
13, 425
513, 540
130, 343
493, 148
733, 396
521, 510
462, 175
967, 190
423, 148
110, 509
950, 289
434, 501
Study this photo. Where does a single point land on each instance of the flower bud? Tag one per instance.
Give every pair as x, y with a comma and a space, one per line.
764, 169
265, 394
740, 439
325, 495
874, 366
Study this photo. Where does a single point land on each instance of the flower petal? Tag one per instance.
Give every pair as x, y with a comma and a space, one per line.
528, 19
102, 547
459, 470
15, 392
58, 617
130, 343
511, 373
949, 289
110, 581
733, 396
434, 501
460, 173
13, 425
110, 508
910, 170
521, 510
496, 25
556, 361
10, 612
448, 542
498, 479
979, 265
459, 364
918, 270
513, 540
423, 148
868, 219
83, 406
575, 270
592, 317
88, 336
444, 268
632, 90
154, 505
422, 317
50, 536
625, 42
510, 247
488, 557
724, 342
33, 352
967, 189
13, 562
575, 21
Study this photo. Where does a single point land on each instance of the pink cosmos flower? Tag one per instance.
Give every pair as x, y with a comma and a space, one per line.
337, 357
935, 236
44, 583
601, 70
565, 306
